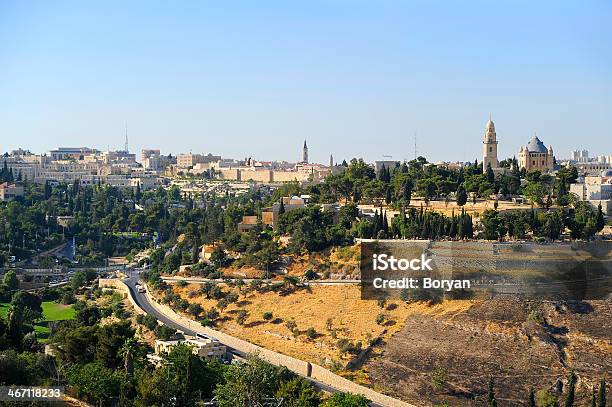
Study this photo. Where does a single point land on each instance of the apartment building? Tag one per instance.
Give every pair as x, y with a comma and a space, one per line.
203, 345
10, 191
596, 189
189, 160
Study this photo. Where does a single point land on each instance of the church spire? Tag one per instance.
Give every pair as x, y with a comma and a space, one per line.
305, 153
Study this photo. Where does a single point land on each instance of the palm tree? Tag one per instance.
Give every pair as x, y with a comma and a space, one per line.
128, 350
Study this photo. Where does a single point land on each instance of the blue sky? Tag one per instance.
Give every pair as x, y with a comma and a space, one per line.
354, 78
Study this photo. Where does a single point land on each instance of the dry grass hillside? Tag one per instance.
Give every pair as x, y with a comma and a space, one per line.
334, 312
450, 358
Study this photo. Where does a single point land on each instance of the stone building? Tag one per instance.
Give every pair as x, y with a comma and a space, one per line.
10, 191
489, 147
535, 156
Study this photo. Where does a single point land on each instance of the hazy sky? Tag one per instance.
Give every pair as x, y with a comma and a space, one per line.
354, 78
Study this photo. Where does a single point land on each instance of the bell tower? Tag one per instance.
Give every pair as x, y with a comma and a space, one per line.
489, 146
305, 153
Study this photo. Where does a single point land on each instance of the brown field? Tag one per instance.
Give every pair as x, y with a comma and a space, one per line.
351, 318
497, 339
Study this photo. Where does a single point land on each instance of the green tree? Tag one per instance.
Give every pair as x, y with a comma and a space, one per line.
26, 307
111, 339
571, 390
461, 197
192, 377
128, 351
491, 399
346, 400
601, 395
552, 225
10, 280
494, 227
298, 392
532, 402
250, 383
535, 192
600, 221
94, 383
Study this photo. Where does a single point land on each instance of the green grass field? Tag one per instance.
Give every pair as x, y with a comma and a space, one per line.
51, 312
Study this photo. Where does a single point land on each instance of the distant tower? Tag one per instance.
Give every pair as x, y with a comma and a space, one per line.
489, 146
126, 140
331, 160
305, 153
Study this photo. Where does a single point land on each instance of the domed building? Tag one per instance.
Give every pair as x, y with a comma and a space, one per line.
535, 156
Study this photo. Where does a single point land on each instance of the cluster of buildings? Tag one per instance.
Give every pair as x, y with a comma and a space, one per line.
84, 165
532, 156
250, 169
582, 156
270, 215
90, 166
594, 184
595, 189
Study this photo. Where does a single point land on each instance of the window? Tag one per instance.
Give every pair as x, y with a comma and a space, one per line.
490, 149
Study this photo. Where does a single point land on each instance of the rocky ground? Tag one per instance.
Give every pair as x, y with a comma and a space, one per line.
450, 358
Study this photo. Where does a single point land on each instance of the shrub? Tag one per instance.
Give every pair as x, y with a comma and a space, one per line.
267, 316
310, 274
311, 333
291, 325
546, 399
438, 379
241, 316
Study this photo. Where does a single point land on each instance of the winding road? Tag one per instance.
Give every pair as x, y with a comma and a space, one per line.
143, 302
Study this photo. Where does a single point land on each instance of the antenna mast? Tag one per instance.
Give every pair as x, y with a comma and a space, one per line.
126, 139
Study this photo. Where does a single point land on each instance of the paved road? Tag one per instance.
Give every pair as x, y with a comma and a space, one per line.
144, 303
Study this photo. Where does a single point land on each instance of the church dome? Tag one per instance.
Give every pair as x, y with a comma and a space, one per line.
536, 146
490, 125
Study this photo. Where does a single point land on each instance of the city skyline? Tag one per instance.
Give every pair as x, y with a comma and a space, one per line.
355, 81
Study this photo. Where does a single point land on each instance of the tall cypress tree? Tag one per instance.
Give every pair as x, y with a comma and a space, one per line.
532, 402
571, 390
600, 221
601, 396
491, 400
461, 195
281, 208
